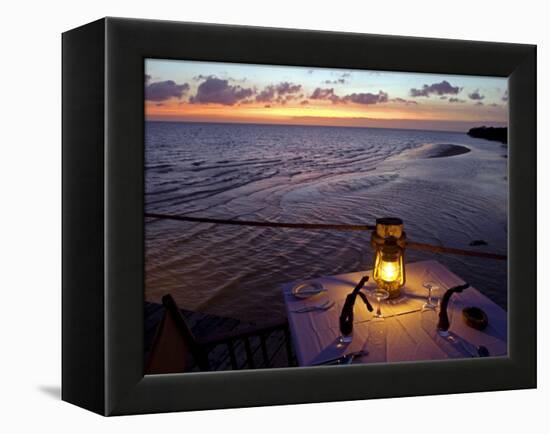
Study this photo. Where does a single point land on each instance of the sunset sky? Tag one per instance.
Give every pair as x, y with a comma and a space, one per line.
227, 92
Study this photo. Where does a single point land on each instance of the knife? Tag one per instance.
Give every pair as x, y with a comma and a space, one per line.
341, 360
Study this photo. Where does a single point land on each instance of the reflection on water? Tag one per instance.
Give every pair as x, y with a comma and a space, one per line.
310, 174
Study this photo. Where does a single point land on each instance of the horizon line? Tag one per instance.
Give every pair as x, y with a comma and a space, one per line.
314, 125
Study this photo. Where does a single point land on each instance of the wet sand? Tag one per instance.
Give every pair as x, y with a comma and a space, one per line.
434, 150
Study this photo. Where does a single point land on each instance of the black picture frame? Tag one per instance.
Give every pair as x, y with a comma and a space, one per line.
103, 222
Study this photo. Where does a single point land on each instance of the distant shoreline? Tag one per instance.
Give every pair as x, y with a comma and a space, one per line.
497, 134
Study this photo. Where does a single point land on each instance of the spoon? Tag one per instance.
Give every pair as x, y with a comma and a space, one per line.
323, 306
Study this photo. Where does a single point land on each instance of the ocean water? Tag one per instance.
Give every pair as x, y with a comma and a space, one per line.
310, 174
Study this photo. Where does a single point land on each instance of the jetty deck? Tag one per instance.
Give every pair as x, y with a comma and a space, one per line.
277, 343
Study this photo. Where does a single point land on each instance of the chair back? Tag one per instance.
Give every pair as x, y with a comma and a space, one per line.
174, 346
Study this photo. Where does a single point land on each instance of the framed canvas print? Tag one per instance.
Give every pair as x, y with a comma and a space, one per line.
258, 216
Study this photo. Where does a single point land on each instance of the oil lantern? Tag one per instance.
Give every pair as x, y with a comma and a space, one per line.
388, 241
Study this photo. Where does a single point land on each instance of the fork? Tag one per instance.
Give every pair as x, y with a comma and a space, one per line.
323, 306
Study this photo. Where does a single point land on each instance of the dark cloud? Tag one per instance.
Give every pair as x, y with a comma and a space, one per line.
456, 100
505, 97
479, 103
335, 81
266, 95
286, 87
321, 93
367, 98
443, 88
324, 93
403, 101
340, 80
163, 90
357, 98
443, 97
494, 105
202, 77
281, 93
476, 96
217, 91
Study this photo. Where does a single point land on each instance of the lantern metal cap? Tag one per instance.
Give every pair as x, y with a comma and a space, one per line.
389, 227
389, 221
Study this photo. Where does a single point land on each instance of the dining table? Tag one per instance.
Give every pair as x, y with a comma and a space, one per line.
406, 332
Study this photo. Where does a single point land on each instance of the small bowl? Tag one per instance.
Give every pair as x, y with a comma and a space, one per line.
475, 317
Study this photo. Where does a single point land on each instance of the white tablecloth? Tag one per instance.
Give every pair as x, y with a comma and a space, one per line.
409, 334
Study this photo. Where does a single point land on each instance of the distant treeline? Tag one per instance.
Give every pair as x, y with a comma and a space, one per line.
499, 134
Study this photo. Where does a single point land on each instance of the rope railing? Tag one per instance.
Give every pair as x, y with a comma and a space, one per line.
306, 226
454, 251
321, 226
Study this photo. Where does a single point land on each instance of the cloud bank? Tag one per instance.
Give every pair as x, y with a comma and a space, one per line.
365, 98
443, 88
163, 90
476, 96
217, 91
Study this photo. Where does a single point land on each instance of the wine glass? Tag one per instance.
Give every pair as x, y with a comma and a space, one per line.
431, 284
380, 294
454, 312
428, 313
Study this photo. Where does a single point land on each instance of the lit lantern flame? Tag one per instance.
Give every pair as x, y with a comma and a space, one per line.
389, 257
389, 271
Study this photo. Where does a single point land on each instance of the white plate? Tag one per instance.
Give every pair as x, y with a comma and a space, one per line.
307, 289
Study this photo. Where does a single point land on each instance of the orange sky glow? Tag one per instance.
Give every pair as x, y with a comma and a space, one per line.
321, 97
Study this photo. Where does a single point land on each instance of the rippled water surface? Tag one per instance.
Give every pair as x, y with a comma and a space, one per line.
310, 174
